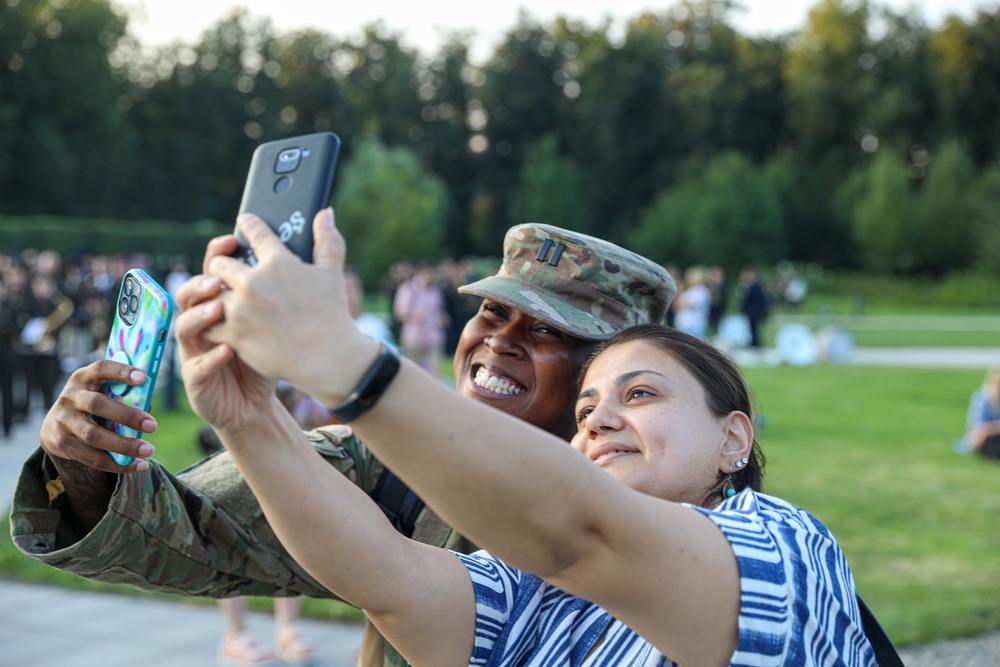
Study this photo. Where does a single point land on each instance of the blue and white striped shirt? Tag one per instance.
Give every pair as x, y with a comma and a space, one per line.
798, 602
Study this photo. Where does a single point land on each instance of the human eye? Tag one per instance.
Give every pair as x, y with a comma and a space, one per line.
582, 413
494, 309
546, 330
637, 393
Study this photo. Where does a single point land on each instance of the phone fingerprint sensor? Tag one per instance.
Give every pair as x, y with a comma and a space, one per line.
282, 184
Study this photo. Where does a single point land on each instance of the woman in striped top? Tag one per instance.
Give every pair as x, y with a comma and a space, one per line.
655, 547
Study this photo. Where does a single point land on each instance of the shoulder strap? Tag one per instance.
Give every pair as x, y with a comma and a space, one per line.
399, 503
885, 652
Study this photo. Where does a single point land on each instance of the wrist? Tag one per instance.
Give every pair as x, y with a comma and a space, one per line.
370, 387
259, 421
336, 374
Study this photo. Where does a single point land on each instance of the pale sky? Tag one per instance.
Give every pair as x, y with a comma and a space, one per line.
157, 22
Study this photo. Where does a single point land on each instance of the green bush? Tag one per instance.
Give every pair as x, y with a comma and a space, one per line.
965, 290
163, 240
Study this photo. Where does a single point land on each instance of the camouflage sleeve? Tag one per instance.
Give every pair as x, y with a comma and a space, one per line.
200, 532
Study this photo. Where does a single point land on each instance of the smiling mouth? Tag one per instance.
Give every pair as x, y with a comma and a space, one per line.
497, 384
605, 456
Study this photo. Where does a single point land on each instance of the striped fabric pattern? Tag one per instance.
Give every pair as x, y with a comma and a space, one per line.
798, 602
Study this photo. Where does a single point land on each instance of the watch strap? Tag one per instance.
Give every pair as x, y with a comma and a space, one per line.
371, 387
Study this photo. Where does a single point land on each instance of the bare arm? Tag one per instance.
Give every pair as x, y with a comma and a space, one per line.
560, 517
419, 596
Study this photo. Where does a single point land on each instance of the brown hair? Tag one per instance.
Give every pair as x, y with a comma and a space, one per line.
725, 389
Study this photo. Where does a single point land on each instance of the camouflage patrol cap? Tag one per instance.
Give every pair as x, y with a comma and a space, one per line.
579, 284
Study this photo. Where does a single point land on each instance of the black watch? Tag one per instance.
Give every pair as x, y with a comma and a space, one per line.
371, 387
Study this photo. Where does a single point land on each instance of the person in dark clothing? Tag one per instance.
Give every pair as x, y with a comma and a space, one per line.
49, 310
753, 302
15, 307
716, 279
675, 274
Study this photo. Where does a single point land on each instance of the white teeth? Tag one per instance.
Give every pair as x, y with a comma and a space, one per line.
605, 455
500, 385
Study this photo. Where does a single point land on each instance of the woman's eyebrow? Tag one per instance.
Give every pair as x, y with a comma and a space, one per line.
625, 378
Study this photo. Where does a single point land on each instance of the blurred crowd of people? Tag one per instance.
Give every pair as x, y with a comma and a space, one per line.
56, 314
704, 294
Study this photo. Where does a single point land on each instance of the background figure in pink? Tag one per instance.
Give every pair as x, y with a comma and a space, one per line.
419, 305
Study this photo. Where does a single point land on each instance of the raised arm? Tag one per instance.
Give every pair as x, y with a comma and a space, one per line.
420, 597
521, 493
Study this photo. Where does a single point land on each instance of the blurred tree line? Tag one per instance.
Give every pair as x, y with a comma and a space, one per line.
862, 140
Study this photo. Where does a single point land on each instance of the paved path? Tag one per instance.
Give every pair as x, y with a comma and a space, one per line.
104, 630
928, 357
43, 626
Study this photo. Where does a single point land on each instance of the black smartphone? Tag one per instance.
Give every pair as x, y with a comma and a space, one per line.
288, 184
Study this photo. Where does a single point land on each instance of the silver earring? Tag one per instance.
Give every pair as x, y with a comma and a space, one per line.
742, 462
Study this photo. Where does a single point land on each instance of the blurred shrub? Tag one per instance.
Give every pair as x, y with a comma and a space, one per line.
965, 290
160, 239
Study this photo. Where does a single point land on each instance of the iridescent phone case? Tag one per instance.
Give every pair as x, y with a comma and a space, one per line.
138, 336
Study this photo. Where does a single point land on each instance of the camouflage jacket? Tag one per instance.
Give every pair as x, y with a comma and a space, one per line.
200, 532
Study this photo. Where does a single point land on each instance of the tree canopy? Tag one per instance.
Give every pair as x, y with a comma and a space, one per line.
678, 128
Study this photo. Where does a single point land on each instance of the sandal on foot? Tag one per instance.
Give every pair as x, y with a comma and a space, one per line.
293, 649
243, 650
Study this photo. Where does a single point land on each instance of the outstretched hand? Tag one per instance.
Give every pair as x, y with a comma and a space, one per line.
288, 319
69, 431
222, 390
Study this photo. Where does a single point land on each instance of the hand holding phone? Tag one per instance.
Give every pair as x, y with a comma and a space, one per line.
138, 336
289, 182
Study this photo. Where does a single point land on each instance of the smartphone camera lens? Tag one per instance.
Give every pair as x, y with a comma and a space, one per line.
128, 287
123, 306
133, 303
288, 160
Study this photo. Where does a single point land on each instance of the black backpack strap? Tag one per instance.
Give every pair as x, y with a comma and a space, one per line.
399, 503
885, 652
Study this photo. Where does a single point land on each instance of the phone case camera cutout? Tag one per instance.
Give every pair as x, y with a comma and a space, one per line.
138, 337
288, 184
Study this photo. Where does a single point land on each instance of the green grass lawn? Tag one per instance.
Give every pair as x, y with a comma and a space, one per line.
866, 450
901, 330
